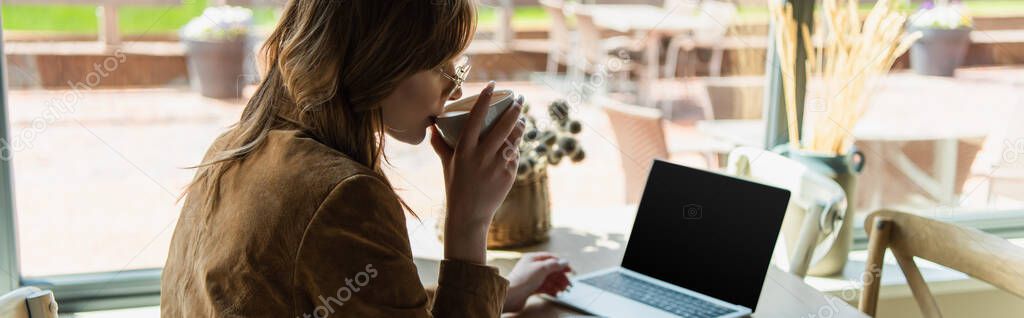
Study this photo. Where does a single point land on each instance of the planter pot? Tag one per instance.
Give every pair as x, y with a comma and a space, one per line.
844, 169
939, 51
216, 69
736, 97
524, 218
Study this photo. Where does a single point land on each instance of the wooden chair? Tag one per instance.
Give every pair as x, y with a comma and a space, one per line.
28, 302
616, 56
715, 17
985, 257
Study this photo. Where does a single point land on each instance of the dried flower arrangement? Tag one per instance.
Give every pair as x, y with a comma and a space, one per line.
855, 51
548, 144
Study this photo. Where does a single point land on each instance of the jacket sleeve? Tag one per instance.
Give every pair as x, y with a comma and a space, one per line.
355, 261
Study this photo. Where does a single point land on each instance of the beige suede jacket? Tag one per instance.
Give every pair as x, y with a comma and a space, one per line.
301, 230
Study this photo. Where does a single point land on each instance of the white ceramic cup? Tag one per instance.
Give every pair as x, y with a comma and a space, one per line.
456, 114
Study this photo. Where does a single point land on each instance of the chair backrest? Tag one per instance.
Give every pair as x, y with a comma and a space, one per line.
640, 135
589, 36
558, 33
811, 195
983, 256
715, 18
28, 302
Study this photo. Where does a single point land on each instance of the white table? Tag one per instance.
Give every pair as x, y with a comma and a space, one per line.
649, 23
594, 238
906, 108
940, 183
739, 132
638, 17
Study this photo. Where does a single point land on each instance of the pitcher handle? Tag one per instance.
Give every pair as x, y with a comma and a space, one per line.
858, 159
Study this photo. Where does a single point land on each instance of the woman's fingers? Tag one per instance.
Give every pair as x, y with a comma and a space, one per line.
503, 128
559, 283
443, 150
552, 266
471, 132
510, 150
440, 146
510, 153
553, 285
548, 288
539, 256
517, 131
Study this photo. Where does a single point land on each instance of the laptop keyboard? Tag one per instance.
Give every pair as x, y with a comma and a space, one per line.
672, 301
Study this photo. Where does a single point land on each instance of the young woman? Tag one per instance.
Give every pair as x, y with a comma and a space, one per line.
289, 214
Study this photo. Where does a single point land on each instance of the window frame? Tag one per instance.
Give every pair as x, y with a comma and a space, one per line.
76, 292
10, 273
140, 288
1007, 223
103, 290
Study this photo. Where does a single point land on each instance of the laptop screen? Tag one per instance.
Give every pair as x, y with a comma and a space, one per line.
706, 232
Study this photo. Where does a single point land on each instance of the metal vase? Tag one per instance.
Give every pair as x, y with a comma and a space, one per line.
216, 69
523, 219
844, 169
939, 51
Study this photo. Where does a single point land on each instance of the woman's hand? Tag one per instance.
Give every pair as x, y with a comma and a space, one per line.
535, 273
478, 175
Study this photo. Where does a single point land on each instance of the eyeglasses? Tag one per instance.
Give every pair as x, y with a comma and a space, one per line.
461, 73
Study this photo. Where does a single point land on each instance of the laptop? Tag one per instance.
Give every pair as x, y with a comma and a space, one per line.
700, 247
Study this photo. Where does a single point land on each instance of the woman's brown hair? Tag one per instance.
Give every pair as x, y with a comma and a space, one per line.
327, 66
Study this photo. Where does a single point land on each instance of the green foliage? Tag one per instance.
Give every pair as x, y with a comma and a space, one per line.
133, 19
152, 20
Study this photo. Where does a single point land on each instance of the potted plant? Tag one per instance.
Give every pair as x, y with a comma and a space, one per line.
946, 35
524, 218
821, 141
215, 44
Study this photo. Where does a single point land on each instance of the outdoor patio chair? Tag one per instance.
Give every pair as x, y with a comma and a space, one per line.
715, 17
641, 138
616, 55
980, 255
560, 37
